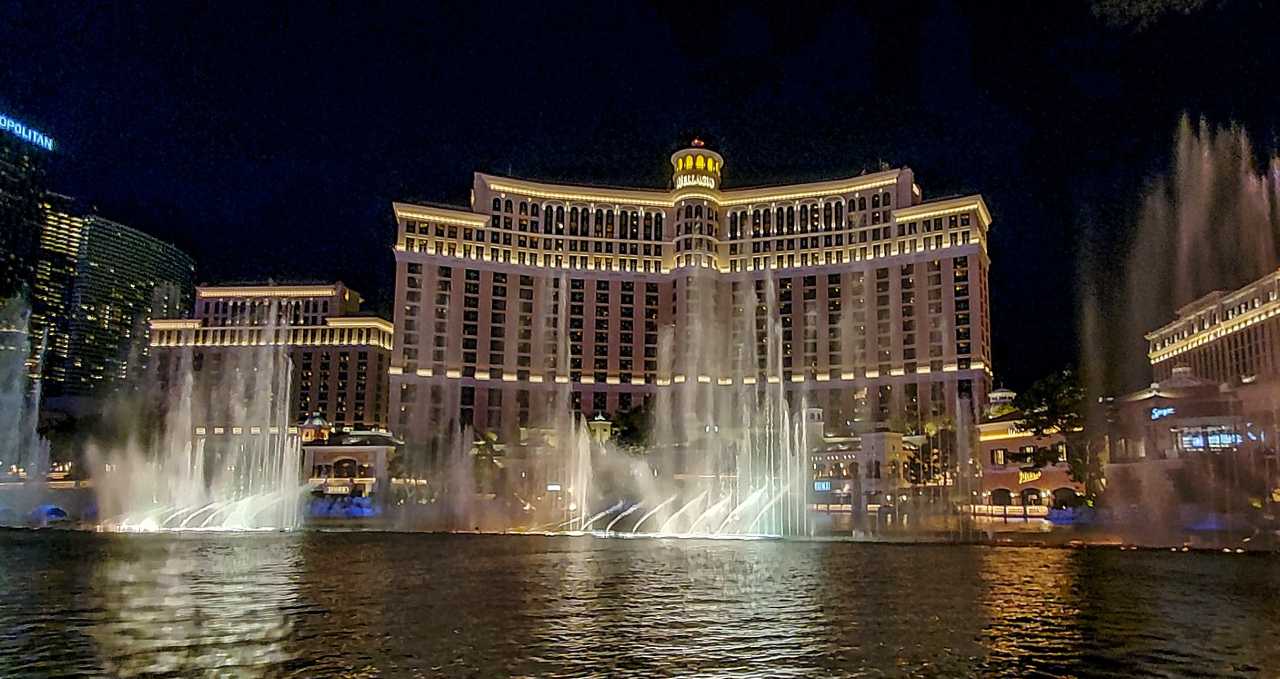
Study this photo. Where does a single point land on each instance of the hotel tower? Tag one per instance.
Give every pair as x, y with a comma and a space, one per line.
854, 293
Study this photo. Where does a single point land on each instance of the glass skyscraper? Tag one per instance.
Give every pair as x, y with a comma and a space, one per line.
98, 284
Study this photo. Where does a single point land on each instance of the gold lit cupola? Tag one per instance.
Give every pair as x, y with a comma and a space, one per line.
696, 167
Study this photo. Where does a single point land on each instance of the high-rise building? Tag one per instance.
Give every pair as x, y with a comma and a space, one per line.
97, 285
854, 292
1225, 336
340, 357
125, 279
21, 187
52, 295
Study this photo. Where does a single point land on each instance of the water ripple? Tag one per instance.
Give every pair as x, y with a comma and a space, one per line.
375, 605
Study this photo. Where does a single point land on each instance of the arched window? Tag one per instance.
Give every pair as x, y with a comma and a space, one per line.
733, 225
657, 226
755, 218
875, 201
826, 216
559, 215
804, 217
497, 205
768, 218
886, 201
862, 202
781, 217
345, 468
697, 209
524, 208
840, 213
508, 206
534, 210
791, 216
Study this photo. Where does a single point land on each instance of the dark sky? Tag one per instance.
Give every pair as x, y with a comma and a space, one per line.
269, 140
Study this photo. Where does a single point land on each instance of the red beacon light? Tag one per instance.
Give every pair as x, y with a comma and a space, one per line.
697, 143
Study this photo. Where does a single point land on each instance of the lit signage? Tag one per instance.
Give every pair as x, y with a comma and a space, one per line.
695, 180
553, 488
1161, 413
337, 490
1028, 477
27, 134
822, 485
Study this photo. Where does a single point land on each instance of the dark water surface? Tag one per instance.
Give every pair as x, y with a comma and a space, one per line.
366, 605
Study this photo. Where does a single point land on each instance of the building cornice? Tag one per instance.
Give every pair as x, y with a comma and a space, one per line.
359, 322
766, 194
665, 199
576, 194
176, 324
458, 216
948, 206
208, 292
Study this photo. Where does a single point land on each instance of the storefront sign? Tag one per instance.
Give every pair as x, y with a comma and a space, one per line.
822, 485
1029, 476
1161, 413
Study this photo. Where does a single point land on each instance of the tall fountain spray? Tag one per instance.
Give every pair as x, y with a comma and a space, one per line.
23, 452
212, 449
1210, 223
726, 455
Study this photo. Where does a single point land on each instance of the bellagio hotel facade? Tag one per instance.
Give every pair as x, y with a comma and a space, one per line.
879, 311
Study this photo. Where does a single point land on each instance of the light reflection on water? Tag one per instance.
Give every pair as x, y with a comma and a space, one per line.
318, 604
184, 608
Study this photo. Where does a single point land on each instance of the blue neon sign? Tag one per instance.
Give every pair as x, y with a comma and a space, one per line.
1161, 413
27, 134
821, 486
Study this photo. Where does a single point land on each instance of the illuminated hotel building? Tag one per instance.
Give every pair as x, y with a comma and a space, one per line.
97, 284
21, 186
1225, 337
62, 234
876, 300
340, 358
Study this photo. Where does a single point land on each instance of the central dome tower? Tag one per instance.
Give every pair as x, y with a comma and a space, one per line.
696, 166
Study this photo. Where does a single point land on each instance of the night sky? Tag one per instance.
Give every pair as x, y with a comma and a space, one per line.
269, 141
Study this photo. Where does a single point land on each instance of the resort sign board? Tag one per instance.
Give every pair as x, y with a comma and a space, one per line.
1025, 476
25, 133
695, 180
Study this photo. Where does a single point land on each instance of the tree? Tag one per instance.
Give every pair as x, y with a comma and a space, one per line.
631, 426
1001, 409
1055, 404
